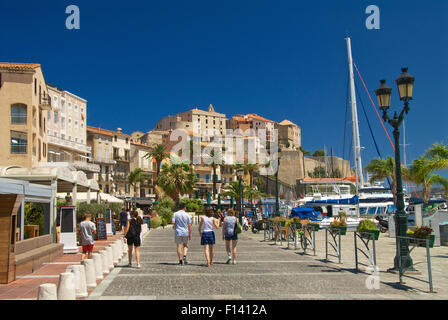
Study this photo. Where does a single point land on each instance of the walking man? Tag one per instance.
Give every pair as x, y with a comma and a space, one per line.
182, 232
87, 228
123, 219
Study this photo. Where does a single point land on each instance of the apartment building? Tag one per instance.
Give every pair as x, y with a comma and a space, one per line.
67, 130
252, 121
145, 190
194, 120
100, 142
24, 102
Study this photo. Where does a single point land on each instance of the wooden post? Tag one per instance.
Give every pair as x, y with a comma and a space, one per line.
10, 204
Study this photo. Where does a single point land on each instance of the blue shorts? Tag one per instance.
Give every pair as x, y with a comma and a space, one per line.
124, 224
234, 237
208, 238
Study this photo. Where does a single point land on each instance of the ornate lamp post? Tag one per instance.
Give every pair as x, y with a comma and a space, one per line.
239, 174
405, 84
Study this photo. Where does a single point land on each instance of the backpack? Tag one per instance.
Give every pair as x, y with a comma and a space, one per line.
134, 229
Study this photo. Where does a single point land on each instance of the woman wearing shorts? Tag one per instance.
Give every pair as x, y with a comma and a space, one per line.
206, 230
133, 230
229, 234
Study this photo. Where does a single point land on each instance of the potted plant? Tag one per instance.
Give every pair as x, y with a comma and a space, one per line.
339, 225
315, 226
422, 233
367, 227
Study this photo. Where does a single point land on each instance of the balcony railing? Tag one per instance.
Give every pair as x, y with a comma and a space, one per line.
69, 144
18, 148
45, 102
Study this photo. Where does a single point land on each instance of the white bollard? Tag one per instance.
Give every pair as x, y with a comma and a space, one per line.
98, 266
90, 273
115, 258
125, 246
120, 248
110, 261
80, 280
47, 291
66, 286
104, 261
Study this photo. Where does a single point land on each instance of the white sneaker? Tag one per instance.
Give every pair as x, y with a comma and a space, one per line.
228, 260
139, 266
234, 261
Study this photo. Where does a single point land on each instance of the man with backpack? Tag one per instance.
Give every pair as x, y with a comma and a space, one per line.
133, 230
182, 232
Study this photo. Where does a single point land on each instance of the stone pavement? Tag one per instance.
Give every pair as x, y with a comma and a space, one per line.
263, 271
26, 287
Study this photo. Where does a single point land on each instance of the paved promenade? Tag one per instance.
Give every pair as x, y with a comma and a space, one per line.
263, 271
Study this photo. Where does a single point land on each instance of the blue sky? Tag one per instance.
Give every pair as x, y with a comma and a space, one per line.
137, 61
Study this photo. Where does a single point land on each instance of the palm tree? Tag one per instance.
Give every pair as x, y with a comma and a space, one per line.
215, 165
158, 153
385, 169
135, 177
422, 174
177, 179
233, 189
439, 154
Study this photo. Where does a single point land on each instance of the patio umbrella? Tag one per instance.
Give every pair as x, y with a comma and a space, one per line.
219, 201
267, 210
231, 202
209, 199
197, 194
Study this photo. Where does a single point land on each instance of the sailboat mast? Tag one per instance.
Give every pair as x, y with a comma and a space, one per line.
356, 141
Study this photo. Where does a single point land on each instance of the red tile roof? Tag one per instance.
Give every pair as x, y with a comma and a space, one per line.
101, 131
257, 117
19, 66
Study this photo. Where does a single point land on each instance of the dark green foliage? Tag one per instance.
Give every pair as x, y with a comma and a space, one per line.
193, 205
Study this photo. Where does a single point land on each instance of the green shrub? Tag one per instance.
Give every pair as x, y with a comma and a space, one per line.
193, 205
165, 214
366, 225
93, 208
155, 222
34, 215
165, 202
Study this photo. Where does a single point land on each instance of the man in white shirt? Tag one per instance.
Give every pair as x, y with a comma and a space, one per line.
182, 232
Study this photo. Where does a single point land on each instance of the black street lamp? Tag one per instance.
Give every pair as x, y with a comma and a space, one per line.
405, 84
239, 174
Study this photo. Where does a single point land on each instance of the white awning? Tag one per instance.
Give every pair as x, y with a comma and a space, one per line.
82, 196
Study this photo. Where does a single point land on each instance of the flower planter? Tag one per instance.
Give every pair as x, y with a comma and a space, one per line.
421, 242
342, 229
366, 234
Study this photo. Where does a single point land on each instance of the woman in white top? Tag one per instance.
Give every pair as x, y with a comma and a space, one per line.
206, 230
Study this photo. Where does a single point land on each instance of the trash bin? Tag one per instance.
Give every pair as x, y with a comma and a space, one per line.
443, 233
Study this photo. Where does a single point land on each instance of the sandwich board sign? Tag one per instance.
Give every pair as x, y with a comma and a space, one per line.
67, 216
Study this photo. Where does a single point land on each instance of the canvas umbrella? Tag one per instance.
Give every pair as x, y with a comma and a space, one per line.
197, 194
231, 202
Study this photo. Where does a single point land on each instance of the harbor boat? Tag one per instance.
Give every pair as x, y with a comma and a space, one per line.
331, 195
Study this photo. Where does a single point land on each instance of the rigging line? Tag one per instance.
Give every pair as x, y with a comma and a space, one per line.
371, 132
393, 147
382, 123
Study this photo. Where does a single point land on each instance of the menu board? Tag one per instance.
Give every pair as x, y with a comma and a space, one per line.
101, 233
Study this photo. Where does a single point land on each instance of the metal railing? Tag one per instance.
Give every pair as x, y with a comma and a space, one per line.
415, 243
19, 148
